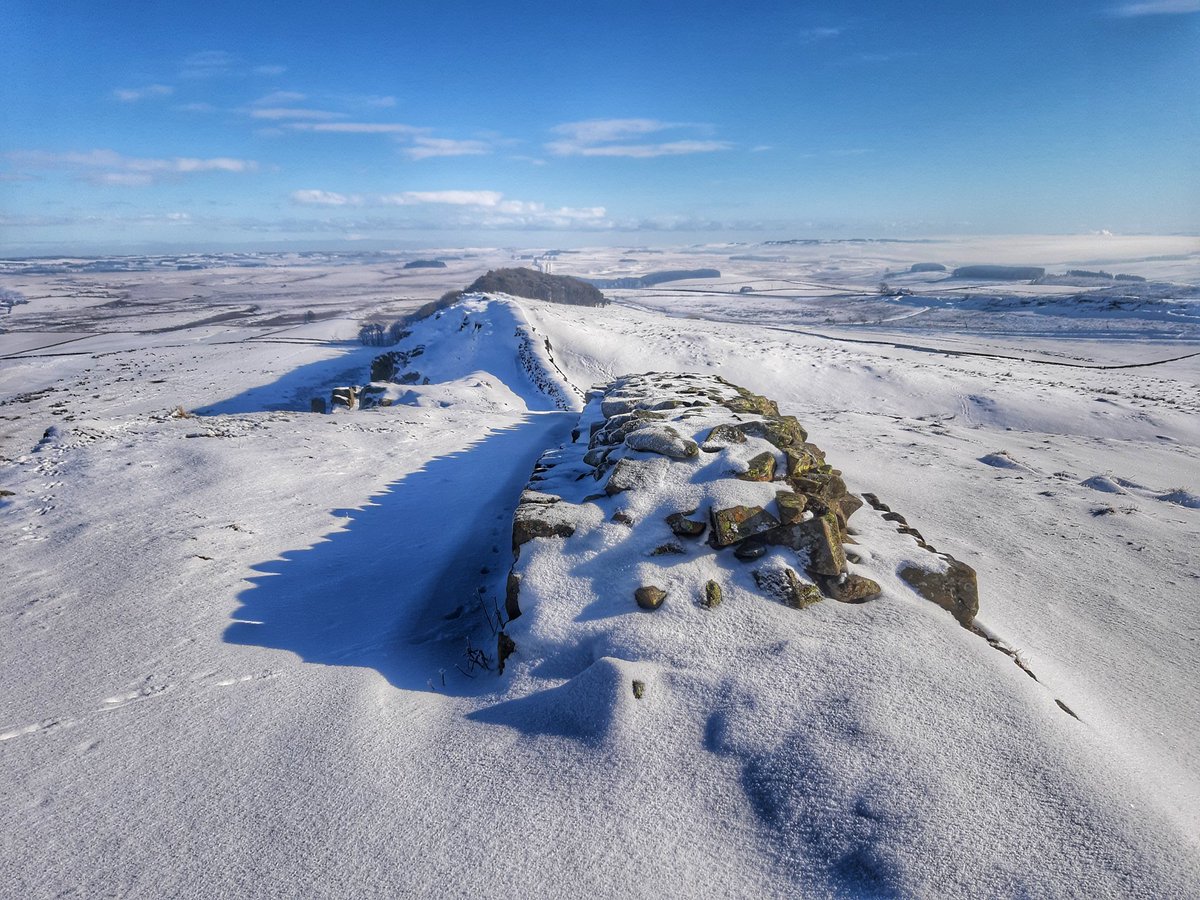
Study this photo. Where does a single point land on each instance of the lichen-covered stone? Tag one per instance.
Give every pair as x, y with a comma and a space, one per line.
800, 461
852, 589
649, 597
531, 496
791, 506
539, 520
749, 403
597, 455
639, 689
782, 583
631, 473
723, 436
846, 506
616, 406
822, 538
712, 595
955, 590
682, 526
663, 440
671, 548
827, 488
740, 522
782, 431
760, 468
344, 396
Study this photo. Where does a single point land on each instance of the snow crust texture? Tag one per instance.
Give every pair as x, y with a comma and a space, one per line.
233, 632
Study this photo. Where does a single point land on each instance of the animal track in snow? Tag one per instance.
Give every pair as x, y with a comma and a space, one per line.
36, 728
242, 679
142, 693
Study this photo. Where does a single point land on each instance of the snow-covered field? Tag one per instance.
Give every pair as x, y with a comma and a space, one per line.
233, 650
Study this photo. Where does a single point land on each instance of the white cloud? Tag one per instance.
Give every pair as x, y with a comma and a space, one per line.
595, 131
279, 112
379, 102
357, 127
1156, 8
324, 198
465, 208
452, 198
641, 151
106, 167
132, 95
428, 147
612, 137
122, 179
279, 98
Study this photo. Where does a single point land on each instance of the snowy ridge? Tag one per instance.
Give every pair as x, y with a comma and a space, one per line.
483, 339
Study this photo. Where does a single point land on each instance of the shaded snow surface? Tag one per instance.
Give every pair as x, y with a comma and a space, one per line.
233, 645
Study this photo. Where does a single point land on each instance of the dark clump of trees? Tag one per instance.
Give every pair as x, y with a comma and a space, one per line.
651, 279
518, 282
538, 286
376, 334
1000, 273
425, 264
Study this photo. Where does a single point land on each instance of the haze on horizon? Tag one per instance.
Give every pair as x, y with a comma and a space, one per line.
198, 126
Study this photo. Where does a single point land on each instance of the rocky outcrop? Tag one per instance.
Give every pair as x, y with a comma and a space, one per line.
953, 588
645, 439
938, 577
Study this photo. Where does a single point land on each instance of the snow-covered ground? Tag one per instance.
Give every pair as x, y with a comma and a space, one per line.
233, 642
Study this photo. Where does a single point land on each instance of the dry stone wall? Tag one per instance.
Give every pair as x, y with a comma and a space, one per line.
696, 465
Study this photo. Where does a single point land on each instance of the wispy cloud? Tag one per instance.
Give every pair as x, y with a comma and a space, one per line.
106, 167
429, 147
417, 143
281, 113
1156, 8
279, 98
207, 64
619, 137
132, 95
325, 198
357, 127
812, 35
222, 63
449, 198
465, 208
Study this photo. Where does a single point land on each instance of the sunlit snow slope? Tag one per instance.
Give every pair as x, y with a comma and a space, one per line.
234, 645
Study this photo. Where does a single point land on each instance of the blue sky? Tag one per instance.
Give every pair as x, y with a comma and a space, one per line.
137, 125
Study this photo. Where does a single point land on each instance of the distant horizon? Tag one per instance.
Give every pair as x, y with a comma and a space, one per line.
164, 125
563, 243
